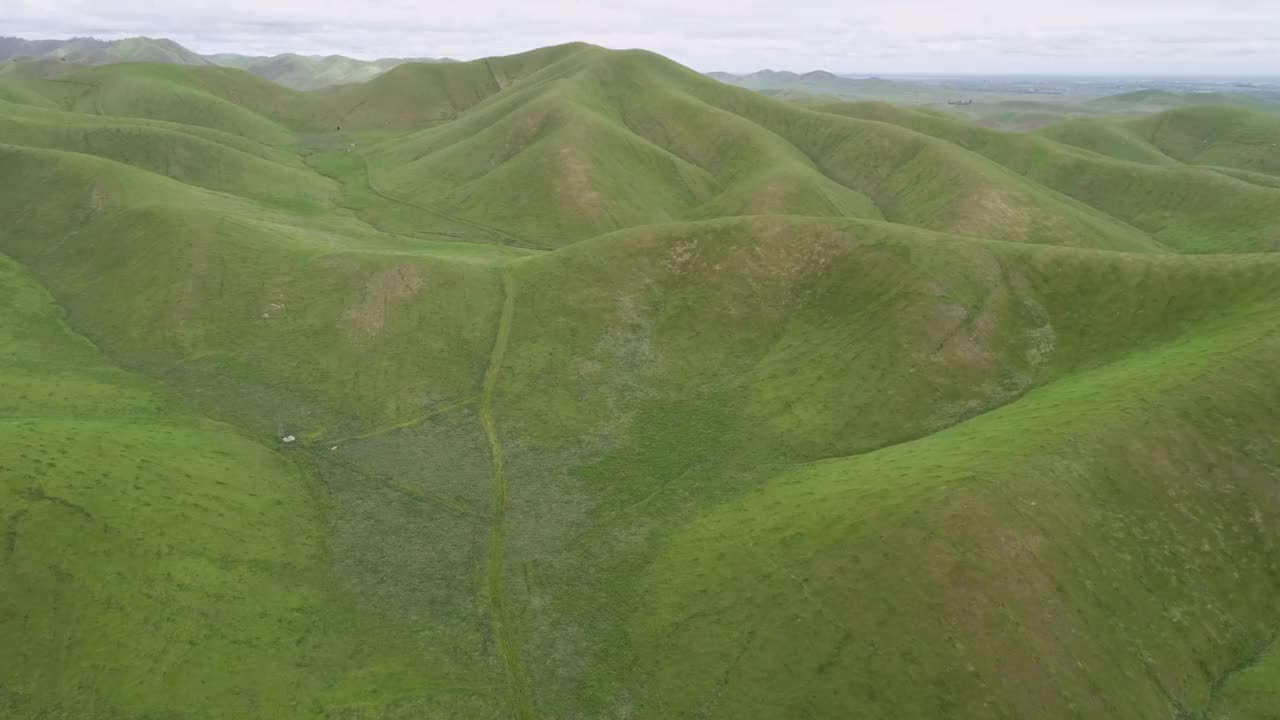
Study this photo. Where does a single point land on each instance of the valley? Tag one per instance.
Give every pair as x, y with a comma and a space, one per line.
622, 392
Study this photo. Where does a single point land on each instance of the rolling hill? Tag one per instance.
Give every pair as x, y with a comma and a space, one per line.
91, 51
298, 72
821, 82
577, 384
1007, 105
314, 72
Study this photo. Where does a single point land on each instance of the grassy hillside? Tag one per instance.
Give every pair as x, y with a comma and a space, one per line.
1183, 208
1251, 692
298, 72
90, 51
193, 155
131, 522
312, 72
676, 145
1219, 137
678, 420
620, 392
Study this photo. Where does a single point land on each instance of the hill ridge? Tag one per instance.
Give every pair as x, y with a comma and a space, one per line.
574, 383
299, 72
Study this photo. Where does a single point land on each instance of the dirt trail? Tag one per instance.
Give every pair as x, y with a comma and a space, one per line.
390, 427
495, 575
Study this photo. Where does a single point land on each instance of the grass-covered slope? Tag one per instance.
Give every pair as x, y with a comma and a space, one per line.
619, 392
299, 72
311, 72
663, 143
1253, 691
1213, 136
145, 546
212, 159
91, 51
1182, 206
253, 277
794, 377
621, 139
223, 99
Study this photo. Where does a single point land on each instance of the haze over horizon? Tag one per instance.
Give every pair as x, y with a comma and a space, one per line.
1092, 37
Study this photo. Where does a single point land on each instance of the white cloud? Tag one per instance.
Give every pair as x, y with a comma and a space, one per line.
1083, 36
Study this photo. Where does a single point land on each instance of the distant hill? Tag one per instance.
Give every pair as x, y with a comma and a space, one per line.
299, 72
995, 106
314, 72
822, 82
91, 51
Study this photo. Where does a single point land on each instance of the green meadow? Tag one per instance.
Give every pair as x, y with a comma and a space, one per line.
577, 384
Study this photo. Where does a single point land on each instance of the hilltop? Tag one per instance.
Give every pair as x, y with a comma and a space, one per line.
314, 72
294, 71
578, 384
90, 51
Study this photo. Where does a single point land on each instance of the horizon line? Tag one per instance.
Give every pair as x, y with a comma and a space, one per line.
1091, 74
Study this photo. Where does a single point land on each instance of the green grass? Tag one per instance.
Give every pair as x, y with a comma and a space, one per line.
714, 415
308, 72
620, 392
999, 514
43, 58
1177, 205
1213, 136
144, 544
1251, 692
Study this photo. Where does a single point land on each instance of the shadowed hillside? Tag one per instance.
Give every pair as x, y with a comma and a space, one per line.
610, 390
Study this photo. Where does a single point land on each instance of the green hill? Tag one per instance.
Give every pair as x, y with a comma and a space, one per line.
306, 72
821, 82
1006, 107
575, 384
298, 72
90, 51
196, 548
1182, 207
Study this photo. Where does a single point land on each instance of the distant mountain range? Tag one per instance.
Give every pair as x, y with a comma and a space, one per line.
770, 78
1011, 103
818, 82
301, 72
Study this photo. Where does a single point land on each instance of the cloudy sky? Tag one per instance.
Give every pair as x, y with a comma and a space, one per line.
1133, 37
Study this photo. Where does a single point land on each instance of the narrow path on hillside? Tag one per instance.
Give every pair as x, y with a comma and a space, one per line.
390, 427
495, 562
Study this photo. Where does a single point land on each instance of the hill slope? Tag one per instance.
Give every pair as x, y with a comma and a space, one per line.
128, 513
619, 392
90, 51
1224, 138
298, 72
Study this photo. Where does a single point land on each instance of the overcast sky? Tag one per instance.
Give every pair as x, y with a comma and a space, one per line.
1132, 37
